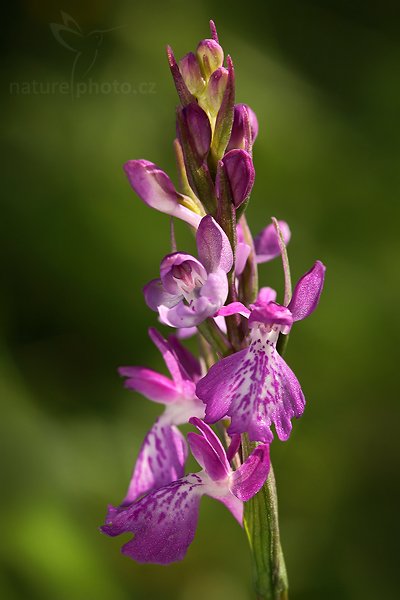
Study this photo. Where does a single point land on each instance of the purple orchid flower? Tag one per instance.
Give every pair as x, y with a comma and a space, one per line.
164, 521
255, 386
164, 451
155, 188
190, 290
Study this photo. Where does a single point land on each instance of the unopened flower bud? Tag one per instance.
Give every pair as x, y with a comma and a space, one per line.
198, 129
245, 126
190, 71
216, 89
210, 56
239, 170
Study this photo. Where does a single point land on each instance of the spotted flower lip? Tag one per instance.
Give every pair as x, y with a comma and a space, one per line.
164, 521
255, 387
164, 451
156, 189
190, 290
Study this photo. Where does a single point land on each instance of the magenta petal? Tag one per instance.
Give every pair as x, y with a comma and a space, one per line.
155, 295
251, 476
168, 355
151, 184
233, 446
206, 457
186, 359
216, 388
161, 460
271, 314
151, 384
213, 440
266, 295
213, 246
163, 522
307, 292
266, 243
234, 308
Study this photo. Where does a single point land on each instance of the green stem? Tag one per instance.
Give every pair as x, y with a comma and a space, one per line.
214, 336
262, 528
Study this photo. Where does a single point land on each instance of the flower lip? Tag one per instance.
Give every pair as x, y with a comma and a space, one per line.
271, 314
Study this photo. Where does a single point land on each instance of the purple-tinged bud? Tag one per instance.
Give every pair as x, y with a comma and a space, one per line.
199, 129
244, 128
216, 89
210, 56
155, 188
239, 170
190, 71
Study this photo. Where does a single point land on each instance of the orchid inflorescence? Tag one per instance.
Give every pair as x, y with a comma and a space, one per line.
241, 382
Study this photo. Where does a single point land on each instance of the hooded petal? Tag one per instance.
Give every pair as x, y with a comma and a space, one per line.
163, 522
251, 476
213, 246
161, 460
307, 292
266, 243
155, 295
181, 271
150, 384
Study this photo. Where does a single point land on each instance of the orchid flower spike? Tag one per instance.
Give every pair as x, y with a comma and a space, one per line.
156, 189
164, 521
163, 452
190, 290
255, 387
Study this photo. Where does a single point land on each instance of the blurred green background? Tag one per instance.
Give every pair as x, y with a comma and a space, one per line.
77, 247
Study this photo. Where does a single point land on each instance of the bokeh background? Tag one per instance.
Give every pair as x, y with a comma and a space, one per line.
77, 247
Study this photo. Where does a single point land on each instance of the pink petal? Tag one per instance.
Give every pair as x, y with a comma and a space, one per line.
163, 522
307, 292
151, 384
251, 476
161, 460
213, 246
